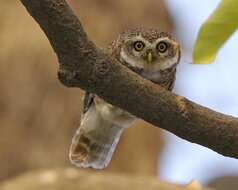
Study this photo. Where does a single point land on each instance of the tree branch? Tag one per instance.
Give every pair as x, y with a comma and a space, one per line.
73, 179
83, 65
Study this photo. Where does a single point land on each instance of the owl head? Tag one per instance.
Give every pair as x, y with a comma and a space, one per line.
149, 49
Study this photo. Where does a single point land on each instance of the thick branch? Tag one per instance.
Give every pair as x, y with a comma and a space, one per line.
72, 179
85, 66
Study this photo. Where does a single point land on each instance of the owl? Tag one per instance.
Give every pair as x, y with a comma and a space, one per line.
150, 53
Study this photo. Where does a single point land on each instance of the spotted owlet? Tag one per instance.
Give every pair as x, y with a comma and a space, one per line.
150, 53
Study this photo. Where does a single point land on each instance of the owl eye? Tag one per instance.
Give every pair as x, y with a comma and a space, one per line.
162, 47
139, 45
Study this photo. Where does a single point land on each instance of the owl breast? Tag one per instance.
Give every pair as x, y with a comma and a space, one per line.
153, 76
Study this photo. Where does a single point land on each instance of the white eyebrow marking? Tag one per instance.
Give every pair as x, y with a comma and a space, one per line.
129, 60
141, 38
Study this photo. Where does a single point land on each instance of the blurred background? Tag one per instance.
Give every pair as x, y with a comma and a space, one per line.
38, 115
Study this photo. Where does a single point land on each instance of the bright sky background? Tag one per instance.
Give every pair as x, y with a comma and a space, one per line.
214, 86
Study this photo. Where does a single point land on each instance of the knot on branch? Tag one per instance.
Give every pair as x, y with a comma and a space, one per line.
182, 105
101, 69
67, 77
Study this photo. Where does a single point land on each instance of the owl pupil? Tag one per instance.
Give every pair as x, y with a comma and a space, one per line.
138, 46
162, 47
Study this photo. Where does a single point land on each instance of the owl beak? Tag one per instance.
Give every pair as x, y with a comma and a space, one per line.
149, 57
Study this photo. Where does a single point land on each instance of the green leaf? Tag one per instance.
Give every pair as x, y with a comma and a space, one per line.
215, 31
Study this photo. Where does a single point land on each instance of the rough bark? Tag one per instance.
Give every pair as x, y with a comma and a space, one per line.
82, 64
72, 179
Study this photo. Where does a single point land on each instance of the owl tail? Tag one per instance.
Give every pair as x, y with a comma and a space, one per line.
94, 141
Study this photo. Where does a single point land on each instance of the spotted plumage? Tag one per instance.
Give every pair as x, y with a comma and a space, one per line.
151, 53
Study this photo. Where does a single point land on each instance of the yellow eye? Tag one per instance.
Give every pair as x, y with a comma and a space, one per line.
162, 47
139, 45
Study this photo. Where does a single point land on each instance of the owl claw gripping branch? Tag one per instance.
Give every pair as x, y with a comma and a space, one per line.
149, 52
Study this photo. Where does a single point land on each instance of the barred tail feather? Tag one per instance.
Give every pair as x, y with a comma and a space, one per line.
95, 141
